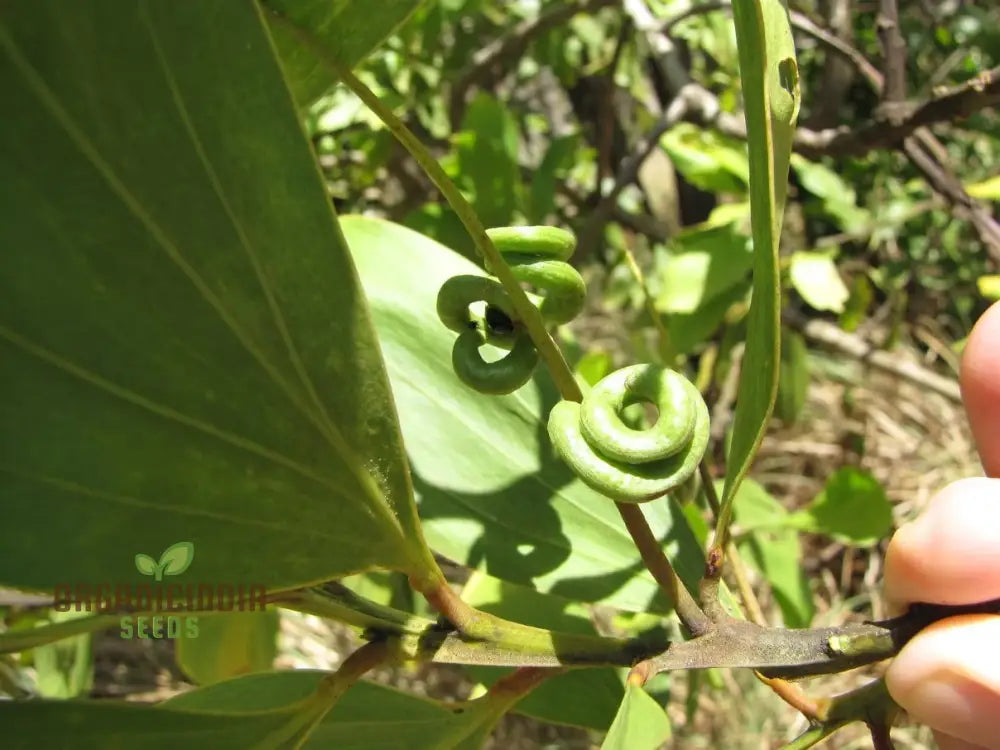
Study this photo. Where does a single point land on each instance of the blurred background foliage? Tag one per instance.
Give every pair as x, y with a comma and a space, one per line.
534, 106
620, 119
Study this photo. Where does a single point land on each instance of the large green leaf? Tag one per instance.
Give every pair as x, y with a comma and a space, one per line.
492, 494
347, 29
252, 713
769, 78
185, 353
368, 716
109, 725
701, 276
641, 723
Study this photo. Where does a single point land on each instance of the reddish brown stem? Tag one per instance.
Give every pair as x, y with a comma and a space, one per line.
694, 619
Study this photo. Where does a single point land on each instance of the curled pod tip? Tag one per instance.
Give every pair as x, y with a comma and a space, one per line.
459, 292
540, 241
505, 375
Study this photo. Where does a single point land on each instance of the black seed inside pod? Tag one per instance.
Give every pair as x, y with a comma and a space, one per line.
497, 321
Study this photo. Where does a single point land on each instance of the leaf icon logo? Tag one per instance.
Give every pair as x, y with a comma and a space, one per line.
175, 560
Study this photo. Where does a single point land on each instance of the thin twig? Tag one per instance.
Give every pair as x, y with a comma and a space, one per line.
747, 594
663, 572
789, 692
950, 105
803, 23
909, 126
663, 336
708, 486
894, 57
947, 185
492, 62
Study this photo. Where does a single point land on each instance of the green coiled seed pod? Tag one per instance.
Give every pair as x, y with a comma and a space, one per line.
629, 465
537, 257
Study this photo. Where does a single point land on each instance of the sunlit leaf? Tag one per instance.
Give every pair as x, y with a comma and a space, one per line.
65, 669
774, 548
815, 277
988, 190
700, 265
706, 159
989, 286
837, 197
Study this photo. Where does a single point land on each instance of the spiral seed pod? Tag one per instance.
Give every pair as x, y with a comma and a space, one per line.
537, 257
628, 465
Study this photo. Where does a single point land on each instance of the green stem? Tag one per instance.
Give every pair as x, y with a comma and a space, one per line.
333, 687
337, 602
869, 703
529, 641
481, 638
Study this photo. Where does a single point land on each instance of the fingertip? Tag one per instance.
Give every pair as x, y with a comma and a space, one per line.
951, 553
980, 381
948, 677
947, 742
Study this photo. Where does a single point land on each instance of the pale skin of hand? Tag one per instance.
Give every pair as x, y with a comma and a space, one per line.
948, 677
